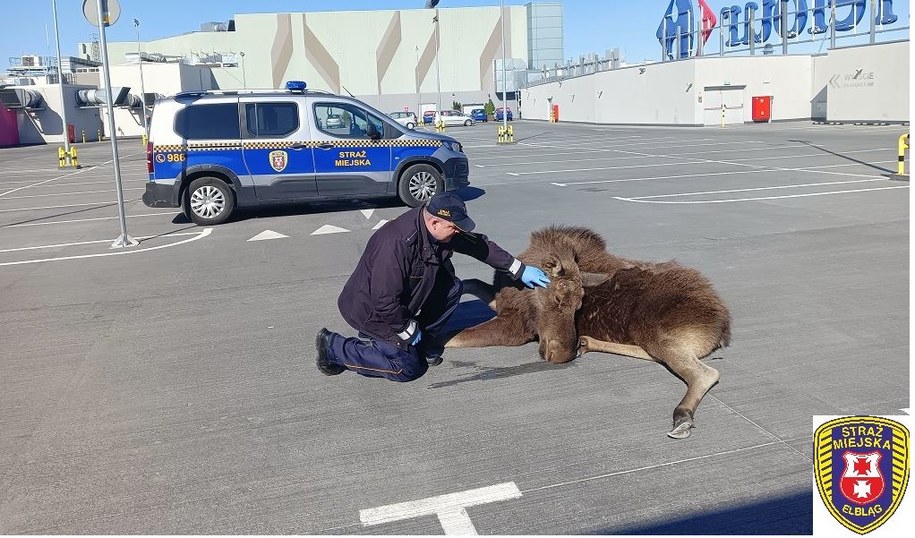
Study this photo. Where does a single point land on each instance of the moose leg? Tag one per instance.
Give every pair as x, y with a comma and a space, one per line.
586, 344
699, 378
481, 290
497, 331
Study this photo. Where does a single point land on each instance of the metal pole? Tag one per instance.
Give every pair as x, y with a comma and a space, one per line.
832, 24
123, 240
751, 32
438, 74
721, 37
136, 24
873, 31
783, 17
60, 82
504, 82
664, 41
419, 93
244, 75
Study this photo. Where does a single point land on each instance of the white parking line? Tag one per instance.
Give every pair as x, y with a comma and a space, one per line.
106, 191
108, 241
751, 189
451, 509
100, 204
687, 155
25, 225
80, 171
730, 200
2, 194
201, 235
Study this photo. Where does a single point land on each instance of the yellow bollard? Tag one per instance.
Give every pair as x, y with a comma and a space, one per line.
73, 160
723, 108
99, 133
84, 136
903, 145
511, 135
144, 139
61, 158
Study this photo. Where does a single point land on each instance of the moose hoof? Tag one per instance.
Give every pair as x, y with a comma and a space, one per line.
582, 346
681, 430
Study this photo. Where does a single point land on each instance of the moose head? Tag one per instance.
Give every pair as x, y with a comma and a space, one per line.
556, 305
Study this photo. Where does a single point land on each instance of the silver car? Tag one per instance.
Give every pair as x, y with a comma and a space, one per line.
407, 119
453, 117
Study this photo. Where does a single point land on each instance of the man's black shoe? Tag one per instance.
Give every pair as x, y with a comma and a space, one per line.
326, 367
434, 359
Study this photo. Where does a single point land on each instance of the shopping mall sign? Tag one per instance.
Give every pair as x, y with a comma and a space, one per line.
683, 22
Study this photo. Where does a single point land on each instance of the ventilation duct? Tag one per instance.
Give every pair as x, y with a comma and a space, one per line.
18, 98
100, 97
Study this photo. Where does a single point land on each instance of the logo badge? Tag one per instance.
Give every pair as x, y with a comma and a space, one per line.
444, 213
278, 160
861, 469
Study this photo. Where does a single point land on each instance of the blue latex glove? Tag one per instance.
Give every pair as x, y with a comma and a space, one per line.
417, 337
534, 276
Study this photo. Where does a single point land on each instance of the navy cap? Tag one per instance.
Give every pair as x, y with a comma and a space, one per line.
449, 206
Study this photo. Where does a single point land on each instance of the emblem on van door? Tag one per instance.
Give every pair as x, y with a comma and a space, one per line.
862, 469
278, 160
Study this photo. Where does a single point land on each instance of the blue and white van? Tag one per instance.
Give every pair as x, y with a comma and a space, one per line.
212, 151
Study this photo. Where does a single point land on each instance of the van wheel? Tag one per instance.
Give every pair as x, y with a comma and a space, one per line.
467, 123
209, 201
411, 125
419, 183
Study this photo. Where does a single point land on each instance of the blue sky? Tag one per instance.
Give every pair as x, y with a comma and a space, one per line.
590, 25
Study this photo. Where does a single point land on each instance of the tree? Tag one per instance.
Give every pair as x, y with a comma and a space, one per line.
490, 108
455, 105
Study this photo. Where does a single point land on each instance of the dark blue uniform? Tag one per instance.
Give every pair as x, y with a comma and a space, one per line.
404, 282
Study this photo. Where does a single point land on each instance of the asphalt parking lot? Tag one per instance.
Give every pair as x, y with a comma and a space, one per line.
170, 388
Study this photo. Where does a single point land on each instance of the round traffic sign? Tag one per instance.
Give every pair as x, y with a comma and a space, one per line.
111, 11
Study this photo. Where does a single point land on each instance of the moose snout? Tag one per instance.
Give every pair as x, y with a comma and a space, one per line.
554, 351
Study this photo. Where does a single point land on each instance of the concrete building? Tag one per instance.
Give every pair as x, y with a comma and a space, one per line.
387, 58
863, 83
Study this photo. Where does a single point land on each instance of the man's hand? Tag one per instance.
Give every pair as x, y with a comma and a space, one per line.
534, 276
417, 337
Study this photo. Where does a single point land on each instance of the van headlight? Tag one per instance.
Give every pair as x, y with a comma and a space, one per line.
454, 146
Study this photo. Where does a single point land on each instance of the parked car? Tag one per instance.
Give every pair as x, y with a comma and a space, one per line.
479, 114
428, 117
210, 152
507, 112
454, 117
407, 119
334, 121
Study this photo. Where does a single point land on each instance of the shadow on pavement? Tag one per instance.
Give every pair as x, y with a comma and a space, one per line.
791, 514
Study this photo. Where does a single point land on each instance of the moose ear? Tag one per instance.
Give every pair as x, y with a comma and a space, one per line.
553, 267
589, 280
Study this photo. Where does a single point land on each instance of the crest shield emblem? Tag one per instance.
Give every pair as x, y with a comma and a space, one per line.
278, 160
861, 469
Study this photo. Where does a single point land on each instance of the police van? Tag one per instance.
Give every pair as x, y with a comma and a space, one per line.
212, 151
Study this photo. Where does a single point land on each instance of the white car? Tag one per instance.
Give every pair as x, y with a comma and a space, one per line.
407, 119
453, 117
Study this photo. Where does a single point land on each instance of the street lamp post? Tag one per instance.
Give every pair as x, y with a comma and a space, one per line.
136, 24
504, 82
102, 16
60, 81
419, 94
430, 4
244, 76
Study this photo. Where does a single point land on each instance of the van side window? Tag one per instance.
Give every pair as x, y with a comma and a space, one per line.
345, 120
271, 120
208, 122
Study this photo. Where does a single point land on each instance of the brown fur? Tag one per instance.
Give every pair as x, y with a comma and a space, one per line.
663, 312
